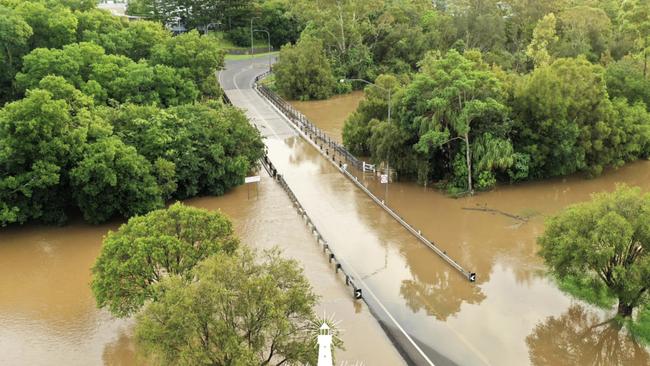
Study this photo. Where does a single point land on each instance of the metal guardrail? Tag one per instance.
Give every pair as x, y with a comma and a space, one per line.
323, 143
338, 264
357, 292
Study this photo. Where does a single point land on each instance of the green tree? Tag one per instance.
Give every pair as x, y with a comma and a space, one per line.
565, 120
303, 71
635, 20
53, 26
41, 136
238, 310
343, 27
167, 242
605, 242
195, 57
14, 36
212, 149
112, 178
282, 24
625, 79
544, 37
584, 31
101, 27
141, 37
457, 98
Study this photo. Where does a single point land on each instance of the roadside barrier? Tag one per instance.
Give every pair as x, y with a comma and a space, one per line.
357, 292
333, 150
405, 344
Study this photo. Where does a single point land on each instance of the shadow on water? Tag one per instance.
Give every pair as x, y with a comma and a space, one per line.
580, 337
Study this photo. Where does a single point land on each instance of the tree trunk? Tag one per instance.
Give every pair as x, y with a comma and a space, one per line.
468, 159
625, 310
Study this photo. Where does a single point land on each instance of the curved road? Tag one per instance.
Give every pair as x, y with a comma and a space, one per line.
383, 255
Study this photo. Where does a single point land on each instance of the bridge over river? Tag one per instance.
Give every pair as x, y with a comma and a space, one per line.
359, 231
512, 315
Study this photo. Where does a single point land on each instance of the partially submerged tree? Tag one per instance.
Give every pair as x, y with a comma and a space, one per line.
304, 72
149, 248
604, 242
239, 310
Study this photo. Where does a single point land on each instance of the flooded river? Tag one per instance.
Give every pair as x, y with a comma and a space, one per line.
48, 315
514, 315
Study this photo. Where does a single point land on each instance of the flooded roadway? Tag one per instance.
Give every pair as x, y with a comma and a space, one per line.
513, 315
48, 315
516, 315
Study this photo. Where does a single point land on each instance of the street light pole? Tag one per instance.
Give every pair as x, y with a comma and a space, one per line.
388, 90
268, 36
252, 36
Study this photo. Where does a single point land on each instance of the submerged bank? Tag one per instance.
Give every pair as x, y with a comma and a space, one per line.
516, 315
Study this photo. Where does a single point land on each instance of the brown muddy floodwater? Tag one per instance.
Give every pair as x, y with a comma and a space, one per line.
514, 315
331, 112
48, 315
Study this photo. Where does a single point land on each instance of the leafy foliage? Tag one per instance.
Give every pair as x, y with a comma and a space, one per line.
149, 248
68, 145
304, 72
238, 309
604, 242
113, 178
567, 123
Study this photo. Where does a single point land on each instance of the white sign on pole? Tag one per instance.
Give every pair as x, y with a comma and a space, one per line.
384, 179
253, 179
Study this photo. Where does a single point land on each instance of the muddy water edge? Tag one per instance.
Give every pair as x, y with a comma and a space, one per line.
515, 315
48, 315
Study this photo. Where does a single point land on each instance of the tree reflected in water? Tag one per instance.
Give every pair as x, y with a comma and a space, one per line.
580, 337
441, 294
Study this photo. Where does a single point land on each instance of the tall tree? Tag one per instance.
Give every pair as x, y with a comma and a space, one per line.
242, 309
304, 71
565, 120
635, 18
112, 178
544, 37
14, 36
53, 25
606, 242
149, 248
456, 98
41, 136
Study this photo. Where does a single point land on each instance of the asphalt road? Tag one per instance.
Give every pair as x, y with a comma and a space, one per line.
362, 234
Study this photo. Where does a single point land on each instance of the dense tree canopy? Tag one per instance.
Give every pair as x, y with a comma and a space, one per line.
488, 91
605, 243
149, 248
239, 309
88, 95
304, 72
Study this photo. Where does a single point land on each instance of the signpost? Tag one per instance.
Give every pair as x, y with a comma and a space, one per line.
253, 179
249, 180
383, 179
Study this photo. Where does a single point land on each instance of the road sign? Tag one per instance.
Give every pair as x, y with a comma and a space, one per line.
357, 293
384, 179
253, 179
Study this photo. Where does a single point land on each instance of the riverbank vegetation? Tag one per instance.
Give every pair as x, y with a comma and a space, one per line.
482, 92
201, 297
110, 117
598, 250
